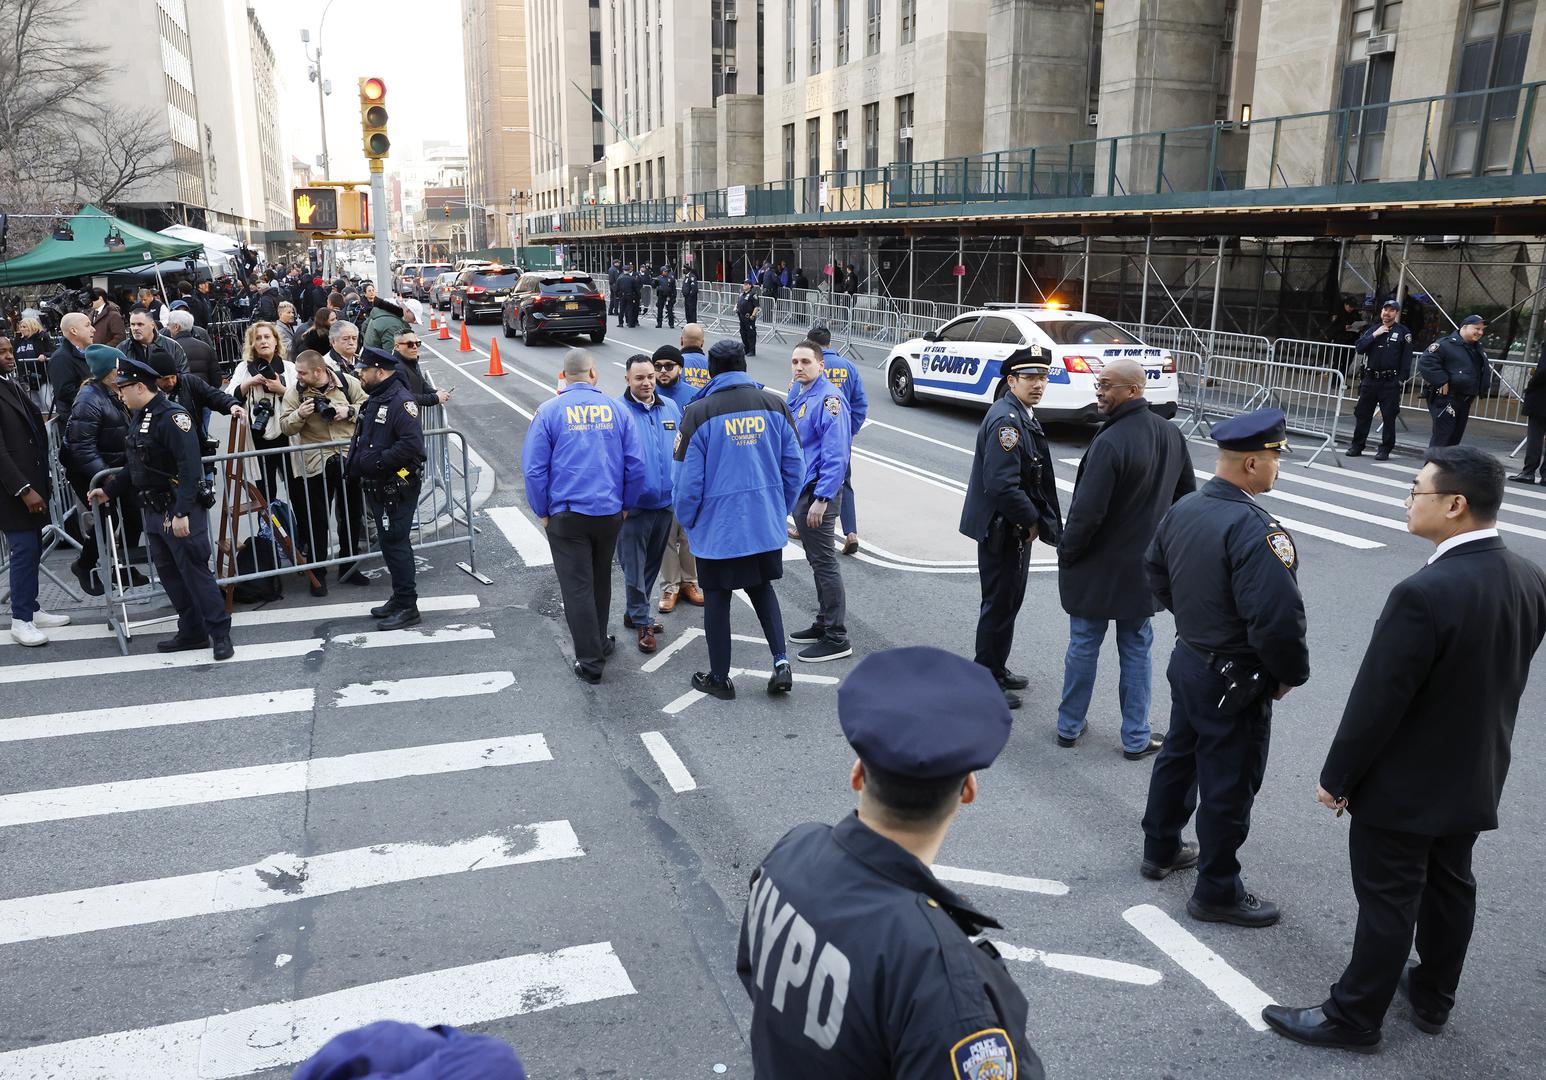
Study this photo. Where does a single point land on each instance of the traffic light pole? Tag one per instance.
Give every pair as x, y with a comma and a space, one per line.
379, 227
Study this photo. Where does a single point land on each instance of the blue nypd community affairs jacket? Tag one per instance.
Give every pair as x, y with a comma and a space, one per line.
842, 374
582, 454
822, 420
657, 425
739, 469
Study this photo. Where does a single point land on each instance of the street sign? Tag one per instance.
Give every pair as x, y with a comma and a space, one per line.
316, 209
735, 201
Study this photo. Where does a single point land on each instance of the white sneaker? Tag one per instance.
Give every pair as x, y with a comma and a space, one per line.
24, 633
43, 618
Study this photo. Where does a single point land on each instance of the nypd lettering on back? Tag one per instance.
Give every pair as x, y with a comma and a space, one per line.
581, 417
820, 973
745, 430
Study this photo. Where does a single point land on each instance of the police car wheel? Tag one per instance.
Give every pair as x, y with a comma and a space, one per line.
598, 336
900, 383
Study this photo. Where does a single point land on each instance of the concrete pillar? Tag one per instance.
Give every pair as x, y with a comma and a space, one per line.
1037, 66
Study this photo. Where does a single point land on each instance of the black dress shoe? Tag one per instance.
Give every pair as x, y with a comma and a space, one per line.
585, 676
1185, 859
1152, 747
1355, 451
319, 589
224, 650
381, 611
782, 679
1518, 478
1427, 1020
400, 618
1251, 912
608, 645
705, 683
1010, 681
1069, 743
1314, 1028
182, 644
353, 579
1382, 455
1012, 699
89, 584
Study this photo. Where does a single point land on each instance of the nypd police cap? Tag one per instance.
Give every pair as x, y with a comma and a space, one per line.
1473, 320
371, 356
1264, 429
1031, 360
923, 713
131, 370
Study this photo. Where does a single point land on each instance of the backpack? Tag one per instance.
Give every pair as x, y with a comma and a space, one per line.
254, 556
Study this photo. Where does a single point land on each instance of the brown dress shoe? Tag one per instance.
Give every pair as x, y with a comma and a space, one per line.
692, 594
668, 601
646, 639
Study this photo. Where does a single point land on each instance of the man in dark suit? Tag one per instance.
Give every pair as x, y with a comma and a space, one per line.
1135, 468
1421, 756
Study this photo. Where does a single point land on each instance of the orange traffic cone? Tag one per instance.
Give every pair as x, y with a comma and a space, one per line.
445, 332
434, 323
466, 345
494, 366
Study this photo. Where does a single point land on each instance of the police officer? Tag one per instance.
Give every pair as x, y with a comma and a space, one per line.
821, 418
386, 456
1387, 352
1011, 500
690, 294
165, 471
584, 466
665, 296
1457, 373
858, 961
1229, 571
614, 272
628, 286
746, 309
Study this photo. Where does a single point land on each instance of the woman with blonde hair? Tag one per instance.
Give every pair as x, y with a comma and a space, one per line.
260, 382
33, 348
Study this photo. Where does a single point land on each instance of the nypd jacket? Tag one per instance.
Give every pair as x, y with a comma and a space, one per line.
582, 454
656, 424
695, 369
821, 418
842, 374
739, 469
389, 437
1460, 365
682, 392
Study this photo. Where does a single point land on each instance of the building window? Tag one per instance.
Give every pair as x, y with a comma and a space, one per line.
840, 146
871, 27
1483, 127
660, 168
789, 46
909, 21
1366, 78
840, 14
813, 146
872, 135
788, 151
815, 38
904, 128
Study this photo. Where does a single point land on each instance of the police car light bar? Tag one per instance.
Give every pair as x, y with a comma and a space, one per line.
1005, 305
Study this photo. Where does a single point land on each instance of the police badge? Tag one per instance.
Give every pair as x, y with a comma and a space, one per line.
411, 408
183, 421
1283, 547
1008, 437
987, 1055
834, 406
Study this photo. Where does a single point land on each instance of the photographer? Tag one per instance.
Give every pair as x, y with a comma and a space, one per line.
260, 382
321, 408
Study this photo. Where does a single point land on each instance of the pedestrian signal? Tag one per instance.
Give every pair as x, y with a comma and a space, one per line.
316, 209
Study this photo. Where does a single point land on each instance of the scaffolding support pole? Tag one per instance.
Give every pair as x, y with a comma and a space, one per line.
1019, 263
1535, 308
1406, 248
960, 264
911, 262
1218, 281
1143, 302
1084, 299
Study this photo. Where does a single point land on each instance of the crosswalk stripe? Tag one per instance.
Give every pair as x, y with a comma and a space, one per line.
1390, 500
269, 1036
530, 542
281, 878
1510, 491
1326, 507
167, 624
280, 778
1405, 485
390, 639
668, 761
273, 703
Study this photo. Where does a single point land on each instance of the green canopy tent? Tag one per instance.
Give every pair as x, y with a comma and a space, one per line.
88, 254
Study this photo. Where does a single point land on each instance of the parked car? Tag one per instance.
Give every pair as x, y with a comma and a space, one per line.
440, 292
555, 302
482, 291
424, 278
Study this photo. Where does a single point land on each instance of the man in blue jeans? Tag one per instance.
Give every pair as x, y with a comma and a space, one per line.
1135, 468
641, 543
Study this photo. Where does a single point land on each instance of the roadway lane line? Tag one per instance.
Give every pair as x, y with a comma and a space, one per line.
390, 639
1405, 485
529, 542
655, 662
281, 878
676, 705
242, 706
485, 387
1201, 962
1044, 886
868, 422
1521, 490
1390, 500
233, 1044
318, 613
1094, 966
255, 781
514, 369
669, 762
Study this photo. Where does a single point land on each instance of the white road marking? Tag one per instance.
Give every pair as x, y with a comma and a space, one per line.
123, 665
391, 639
254, 781
817, 680
1201, 962
269, 1036
669, 762
1391, 500
275, 703
1405, 485
478, 382
923, 438
1045, 886
676, 705
921, 475
530, 542
281, 878
1411, 470
268, 617
655, 662
1094, 966
514, 369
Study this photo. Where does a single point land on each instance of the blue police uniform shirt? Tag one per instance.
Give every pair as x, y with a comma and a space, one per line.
1390, 351
657, 425
695, 369
388, 436
821, 417
739, 469
842, 374
582, 455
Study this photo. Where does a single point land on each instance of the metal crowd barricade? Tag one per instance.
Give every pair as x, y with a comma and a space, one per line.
1190, 371
62, 509
1343, 358
1311, 399
1206, 342
288, 541
1227, 386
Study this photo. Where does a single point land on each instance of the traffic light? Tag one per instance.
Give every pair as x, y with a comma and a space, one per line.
354, 211
316, 209
447, 209
373, 120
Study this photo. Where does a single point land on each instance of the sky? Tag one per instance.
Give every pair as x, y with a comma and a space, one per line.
419, 57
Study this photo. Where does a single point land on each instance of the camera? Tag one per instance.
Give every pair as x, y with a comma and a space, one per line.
260, 416
325, 407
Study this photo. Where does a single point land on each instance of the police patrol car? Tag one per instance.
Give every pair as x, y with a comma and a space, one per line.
961, 360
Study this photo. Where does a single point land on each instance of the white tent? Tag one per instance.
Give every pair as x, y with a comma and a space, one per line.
219, 252
199, 236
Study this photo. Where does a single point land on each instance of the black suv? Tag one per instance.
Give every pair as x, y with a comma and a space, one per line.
555, 302
482, 291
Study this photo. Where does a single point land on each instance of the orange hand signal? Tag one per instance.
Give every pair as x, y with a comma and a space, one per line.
304, 210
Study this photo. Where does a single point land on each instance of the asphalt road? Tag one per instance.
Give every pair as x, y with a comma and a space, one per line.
207, 870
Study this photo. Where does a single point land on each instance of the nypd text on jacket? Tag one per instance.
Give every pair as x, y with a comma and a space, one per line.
582, 455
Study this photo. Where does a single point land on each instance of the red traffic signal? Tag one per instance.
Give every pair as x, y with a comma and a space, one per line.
372, 89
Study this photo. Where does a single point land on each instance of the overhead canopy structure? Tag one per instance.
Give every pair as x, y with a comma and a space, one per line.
219, 252
88, 253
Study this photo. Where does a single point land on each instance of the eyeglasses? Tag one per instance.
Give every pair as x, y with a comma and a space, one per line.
1107, 384
411, 344
668, 366
1410, 495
